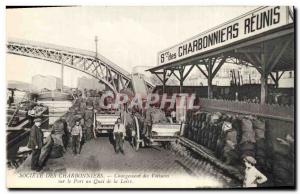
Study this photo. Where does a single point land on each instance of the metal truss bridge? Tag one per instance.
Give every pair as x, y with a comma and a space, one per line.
85, 61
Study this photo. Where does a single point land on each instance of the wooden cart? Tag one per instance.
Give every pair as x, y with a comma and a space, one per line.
161, 133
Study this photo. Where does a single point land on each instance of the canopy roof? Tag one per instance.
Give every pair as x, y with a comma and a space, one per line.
281, 38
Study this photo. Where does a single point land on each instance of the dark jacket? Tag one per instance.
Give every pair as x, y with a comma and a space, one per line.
35, 138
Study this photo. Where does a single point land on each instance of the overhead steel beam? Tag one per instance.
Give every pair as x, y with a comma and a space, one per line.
274, 62
73, 58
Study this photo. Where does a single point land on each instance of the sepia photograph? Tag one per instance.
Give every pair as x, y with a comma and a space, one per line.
150, 97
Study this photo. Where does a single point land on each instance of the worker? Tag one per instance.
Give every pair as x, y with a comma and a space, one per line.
11, 98
119, 136
76, 133
148, 122
173, 115
35, 143
31, 113
252, 175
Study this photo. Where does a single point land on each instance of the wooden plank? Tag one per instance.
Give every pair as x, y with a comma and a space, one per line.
158, 77
278, 56
208, 155
218, 67
188, 72
202, 71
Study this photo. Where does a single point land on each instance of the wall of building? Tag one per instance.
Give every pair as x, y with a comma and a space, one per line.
287, 80
89, 83
243, 74
40, 82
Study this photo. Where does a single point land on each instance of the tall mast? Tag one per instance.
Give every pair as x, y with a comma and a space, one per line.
96, 44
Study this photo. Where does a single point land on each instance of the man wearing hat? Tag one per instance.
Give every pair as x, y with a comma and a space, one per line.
76, 133
35, 143
119, 136
252, 175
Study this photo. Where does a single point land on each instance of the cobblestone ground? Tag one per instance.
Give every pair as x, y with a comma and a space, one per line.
99, 154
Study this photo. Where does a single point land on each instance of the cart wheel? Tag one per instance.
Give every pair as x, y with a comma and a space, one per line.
167, 145
136, 138
136, 143
94, 127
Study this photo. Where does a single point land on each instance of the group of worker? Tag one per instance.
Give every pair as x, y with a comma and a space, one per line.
252, 175
36, 138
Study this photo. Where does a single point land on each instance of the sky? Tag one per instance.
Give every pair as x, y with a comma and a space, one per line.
128, 36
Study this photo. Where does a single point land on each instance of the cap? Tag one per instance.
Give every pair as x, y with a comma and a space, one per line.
37, 120
89, 107
250, 159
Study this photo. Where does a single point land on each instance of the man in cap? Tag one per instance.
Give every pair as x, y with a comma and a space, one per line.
35, 143
119, 135
148, 121
252, 175
76, 133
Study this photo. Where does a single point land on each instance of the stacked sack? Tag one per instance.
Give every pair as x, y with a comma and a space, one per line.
215, 130
259, 127
199, 127
205, 133
195, 127
202, 129
283, 162
192, 131
228, 139
96, 103
232, 138
88, 123
60, 138
247, 138
188, 122
83, 105
90, 102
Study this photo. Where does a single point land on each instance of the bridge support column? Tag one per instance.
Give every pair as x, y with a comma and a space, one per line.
211, 72
209, 79
164, 81
181, 80
264, 88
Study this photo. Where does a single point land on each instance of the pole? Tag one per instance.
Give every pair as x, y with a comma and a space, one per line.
164, 82
249, 78
96, 44
209, 80
181, 81
277, 80
264, 79
264, 88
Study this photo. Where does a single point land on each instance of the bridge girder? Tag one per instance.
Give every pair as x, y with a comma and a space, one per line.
99, 69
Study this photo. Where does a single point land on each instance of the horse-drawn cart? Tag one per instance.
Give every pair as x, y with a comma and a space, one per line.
160, 134
105, 122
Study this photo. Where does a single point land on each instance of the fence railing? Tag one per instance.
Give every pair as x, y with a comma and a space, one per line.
274, 111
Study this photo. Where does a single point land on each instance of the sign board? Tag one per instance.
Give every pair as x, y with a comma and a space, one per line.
252, 23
